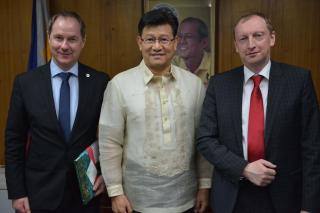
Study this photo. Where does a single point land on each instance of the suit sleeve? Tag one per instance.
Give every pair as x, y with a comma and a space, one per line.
217, 153
204, 168
15, 143
310, 143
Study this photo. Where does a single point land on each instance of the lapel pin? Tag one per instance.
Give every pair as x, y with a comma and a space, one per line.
87, 75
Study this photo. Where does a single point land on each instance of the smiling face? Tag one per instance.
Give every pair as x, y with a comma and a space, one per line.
190, 43
66, 42
253, 42
157, 56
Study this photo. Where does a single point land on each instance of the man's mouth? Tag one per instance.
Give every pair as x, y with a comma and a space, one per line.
183, 48
64, 53
157, 55
251, 54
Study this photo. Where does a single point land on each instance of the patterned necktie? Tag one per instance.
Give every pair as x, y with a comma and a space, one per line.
256, 122
64, 105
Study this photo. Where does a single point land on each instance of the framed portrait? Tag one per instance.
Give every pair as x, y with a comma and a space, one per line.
196, 27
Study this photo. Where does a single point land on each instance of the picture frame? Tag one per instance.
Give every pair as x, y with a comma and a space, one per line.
202, 9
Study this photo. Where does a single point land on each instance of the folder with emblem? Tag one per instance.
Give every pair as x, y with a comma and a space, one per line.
86, 169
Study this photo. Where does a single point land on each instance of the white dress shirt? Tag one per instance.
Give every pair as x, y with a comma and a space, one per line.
247, 90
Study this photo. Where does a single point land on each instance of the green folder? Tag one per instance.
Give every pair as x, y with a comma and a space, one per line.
86, 169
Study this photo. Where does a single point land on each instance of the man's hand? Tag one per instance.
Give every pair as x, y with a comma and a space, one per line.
120, 204
99, 185
21, 205
260, 172
202, 200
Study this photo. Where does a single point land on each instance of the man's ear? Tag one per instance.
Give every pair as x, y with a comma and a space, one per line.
48, 36
205, 43
176, 41
273, 38
139, 42
84, 41
235, 46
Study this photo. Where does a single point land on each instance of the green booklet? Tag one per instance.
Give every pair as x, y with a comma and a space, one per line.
85, 165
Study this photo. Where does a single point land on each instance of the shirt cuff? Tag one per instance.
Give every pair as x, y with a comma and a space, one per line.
204, 183
115, 190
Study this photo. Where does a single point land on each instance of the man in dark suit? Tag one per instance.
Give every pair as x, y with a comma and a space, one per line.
260, 129
41, 177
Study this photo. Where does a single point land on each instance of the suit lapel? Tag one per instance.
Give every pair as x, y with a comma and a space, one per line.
84, 89
47, 95
236, 92
276, 83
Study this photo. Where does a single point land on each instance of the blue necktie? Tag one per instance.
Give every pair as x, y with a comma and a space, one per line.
64, 105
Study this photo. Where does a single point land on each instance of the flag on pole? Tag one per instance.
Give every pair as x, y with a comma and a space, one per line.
39, 51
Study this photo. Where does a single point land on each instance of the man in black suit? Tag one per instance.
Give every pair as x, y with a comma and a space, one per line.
263, 139
41, 177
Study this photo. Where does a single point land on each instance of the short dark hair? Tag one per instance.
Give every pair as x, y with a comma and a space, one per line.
202, 28
249, 15
158, 17
69, 14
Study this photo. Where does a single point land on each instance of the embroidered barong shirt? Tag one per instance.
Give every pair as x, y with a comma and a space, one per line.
147, 139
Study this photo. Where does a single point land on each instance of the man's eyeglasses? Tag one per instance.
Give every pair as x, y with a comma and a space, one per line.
153, 40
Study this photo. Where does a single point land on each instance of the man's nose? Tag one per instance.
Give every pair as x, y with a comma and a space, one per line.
251, 43
182, 39
65, 44
156, 45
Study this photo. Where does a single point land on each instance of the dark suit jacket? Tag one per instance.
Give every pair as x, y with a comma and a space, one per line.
292, 139
42, 171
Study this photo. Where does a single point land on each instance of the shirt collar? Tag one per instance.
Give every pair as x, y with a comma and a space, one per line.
205, 63
55, 69
265, 72
148, 75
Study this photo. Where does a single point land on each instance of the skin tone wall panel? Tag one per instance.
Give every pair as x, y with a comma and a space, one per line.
15, 19
111, 32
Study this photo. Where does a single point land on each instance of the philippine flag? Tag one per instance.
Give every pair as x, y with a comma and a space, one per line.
39, 51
